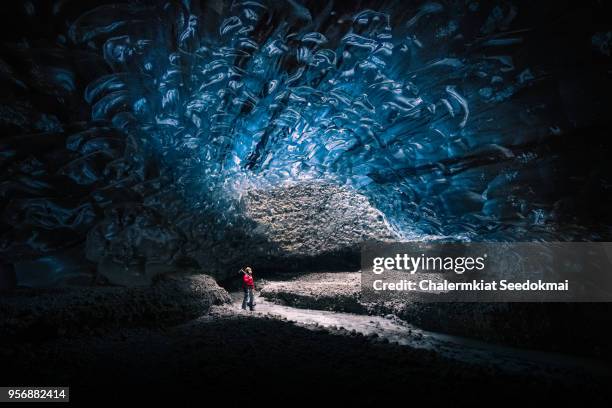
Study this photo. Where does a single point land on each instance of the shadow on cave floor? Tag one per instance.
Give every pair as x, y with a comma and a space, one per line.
219, 354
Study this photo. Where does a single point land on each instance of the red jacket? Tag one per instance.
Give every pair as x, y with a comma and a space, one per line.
247, 281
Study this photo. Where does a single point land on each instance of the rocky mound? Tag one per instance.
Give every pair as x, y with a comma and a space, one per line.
40, 314
313, 225
313, 218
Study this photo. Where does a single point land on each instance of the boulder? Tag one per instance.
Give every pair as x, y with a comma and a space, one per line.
308, 226
310, 219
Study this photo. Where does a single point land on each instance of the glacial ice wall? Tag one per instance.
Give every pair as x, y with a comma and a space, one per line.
272, 92
447, 115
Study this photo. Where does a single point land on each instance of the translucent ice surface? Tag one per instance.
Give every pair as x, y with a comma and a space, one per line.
396, 101
444, 114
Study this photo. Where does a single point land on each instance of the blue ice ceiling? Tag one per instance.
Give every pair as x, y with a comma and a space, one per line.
447, 114
254, 93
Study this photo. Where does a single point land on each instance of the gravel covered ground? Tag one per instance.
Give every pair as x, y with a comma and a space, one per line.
242, 356
562, 327
277, 353
391, 329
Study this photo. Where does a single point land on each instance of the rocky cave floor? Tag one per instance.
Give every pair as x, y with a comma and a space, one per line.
283, 352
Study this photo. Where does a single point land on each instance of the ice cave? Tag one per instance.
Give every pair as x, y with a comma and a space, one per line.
151, 149
133, 131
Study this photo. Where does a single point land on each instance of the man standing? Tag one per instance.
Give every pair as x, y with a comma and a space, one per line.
248, 285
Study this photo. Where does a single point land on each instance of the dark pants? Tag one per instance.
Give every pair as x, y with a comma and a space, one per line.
249, 299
